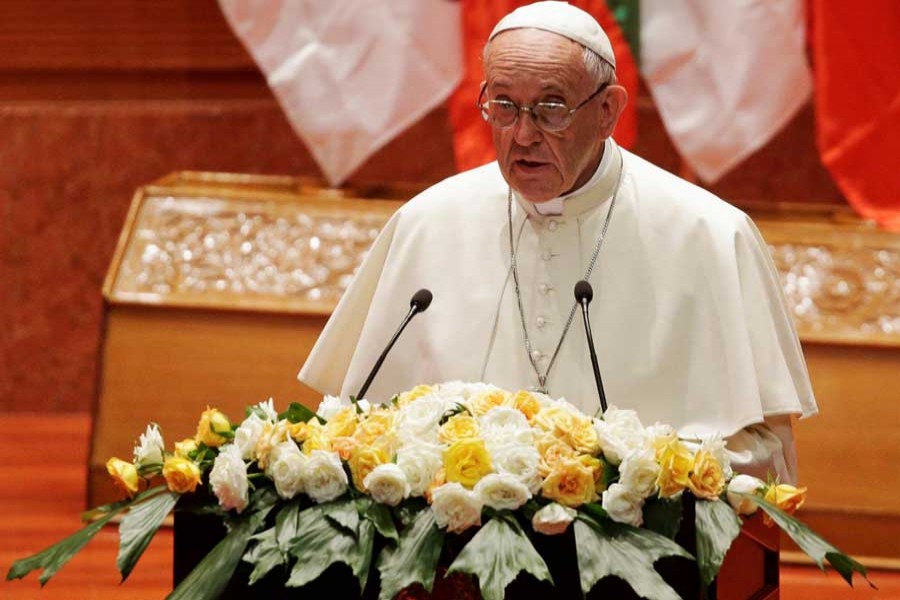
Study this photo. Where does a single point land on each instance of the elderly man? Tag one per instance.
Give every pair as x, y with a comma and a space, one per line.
688, 315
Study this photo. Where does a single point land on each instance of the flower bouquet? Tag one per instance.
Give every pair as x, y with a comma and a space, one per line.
385, 488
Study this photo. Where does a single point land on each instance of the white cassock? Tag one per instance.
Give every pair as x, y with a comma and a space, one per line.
688, 315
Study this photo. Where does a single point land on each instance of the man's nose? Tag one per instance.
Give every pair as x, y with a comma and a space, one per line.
526, 132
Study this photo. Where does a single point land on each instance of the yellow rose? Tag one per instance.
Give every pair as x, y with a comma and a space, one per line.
552, 451
413, 394
362, 460
458, 427
675, 461
377, 425
213, 423
467, 461
182, 475
271, 436
300, 431
570, 483
786, 497
480, 404
343, 423
707, 480
185, 447
124, 474
582, 436
344, 446
524, 402
596, 467
555, 420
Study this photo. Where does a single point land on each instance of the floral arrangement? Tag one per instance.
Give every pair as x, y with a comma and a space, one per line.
302, 490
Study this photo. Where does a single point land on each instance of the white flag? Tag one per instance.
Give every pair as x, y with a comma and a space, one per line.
726, 75
352, 75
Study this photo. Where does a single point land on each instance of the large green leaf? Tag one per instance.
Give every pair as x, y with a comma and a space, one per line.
211, 575
663, 515
812, 543
270, 547
415, 558
320, 543
717, 526
139, 526
497, 554
607, 548
380, 515
52, 559
297, 413
342, 513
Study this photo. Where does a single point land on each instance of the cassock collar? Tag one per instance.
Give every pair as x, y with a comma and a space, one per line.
598, 189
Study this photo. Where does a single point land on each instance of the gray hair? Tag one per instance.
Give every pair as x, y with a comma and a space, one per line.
598, 69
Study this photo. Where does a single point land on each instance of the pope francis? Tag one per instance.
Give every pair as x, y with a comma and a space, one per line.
688, 316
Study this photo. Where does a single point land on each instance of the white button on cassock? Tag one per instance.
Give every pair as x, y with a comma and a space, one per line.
552, 225
547, 255
537, 355
540, 322
544, 288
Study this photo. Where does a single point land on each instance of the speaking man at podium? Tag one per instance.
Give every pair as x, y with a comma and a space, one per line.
688, 316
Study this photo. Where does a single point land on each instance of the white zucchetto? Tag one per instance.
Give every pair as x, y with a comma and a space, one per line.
563, 19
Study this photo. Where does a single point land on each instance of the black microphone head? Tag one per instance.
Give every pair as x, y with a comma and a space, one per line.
583, 291
421, 300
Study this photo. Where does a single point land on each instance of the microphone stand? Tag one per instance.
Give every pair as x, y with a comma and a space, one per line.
584, 293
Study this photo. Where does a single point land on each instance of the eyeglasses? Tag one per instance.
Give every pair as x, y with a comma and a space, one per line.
547, 116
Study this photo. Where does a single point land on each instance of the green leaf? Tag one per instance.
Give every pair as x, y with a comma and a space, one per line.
717, 527
380, 515
663, 516
449, 414
409, 510
812, 543
595, 510
343, 514
321, 542
139, 526
53, 558
271, 546
211, 575
415, 558
497, 554
297, 413
609, 548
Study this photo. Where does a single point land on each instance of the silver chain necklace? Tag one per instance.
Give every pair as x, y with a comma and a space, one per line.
542, 378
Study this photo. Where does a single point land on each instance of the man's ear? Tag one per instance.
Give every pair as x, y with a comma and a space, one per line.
612, 104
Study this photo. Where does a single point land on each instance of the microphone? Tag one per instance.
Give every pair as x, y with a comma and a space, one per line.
584, 293
420, 301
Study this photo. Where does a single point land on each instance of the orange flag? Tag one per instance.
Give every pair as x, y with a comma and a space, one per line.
856, 52
471, 135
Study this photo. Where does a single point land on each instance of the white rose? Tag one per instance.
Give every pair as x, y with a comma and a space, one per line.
660, 434
387, 484
329, 407
268, 409
419, 420
620, 432
419, 462
247, 435
452, 390
506, 423
639, 472
324, 478
286, 465
622, 505
149, 450
553, 519
743, 484
228, 479
502, 491
455, 507
520, 460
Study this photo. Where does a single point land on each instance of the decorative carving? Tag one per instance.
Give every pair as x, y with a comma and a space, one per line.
196, 246
841, 291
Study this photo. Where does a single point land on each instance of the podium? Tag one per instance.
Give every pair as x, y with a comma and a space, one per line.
750, 570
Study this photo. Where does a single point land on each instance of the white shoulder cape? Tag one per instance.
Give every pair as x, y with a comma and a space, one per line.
688, 316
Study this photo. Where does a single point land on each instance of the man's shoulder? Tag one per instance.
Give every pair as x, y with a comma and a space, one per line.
459, 194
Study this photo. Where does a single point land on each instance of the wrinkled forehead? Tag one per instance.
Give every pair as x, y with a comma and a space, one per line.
533, 53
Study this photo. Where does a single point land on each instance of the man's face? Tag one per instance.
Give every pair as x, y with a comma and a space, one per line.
528, 66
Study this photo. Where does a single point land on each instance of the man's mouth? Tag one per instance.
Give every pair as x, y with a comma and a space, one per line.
529, 164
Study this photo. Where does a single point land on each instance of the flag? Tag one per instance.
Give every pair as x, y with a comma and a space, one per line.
472, 143
351, 75
726, 75
856, 59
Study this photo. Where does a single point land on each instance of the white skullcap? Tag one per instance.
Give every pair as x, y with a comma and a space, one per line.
563, 19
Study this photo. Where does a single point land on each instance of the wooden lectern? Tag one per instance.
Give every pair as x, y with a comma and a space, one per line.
750, 570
